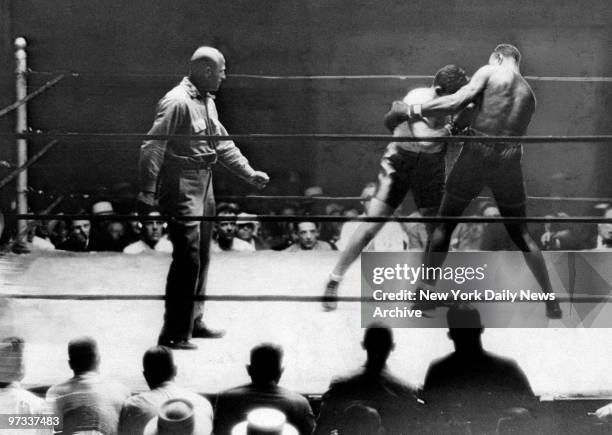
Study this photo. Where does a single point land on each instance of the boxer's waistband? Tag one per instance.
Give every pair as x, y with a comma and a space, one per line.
493, 146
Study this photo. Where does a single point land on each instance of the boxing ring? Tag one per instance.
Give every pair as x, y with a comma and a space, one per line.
48, 298
271, 296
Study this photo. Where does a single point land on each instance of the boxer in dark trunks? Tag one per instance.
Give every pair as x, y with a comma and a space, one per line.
505, 104
415, 165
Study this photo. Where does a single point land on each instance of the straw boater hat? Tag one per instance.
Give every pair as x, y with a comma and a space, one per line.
264, 421
102, 207
176, 417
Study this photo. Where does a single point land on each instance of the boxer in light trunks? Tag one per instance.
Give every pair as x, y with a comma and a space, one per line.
416, 166
505, 104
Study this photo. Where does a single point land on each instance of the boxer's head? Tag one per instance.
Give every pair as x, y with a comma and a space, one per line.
449, 79
503, 52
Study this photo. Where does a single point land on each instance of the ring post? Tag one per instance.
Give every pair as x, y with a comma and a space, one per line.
21, 126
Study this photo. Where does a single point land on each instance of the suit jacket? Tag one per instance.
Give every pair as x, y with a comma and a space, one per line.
395, 400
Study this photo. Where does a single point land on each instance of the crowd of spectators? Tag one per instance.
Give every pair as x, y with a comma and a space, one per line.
470, 390
247, 234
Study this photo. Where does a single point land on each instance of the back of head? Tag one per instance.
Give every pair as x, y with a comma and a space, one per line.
158, 365
83, 354
378, 343
449, 79
11, 360
464, 326
508, 51
266, 363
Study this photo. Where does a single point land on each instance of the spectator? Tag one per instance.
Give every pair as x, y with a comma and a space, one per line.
87, 402
280, 235
330, 231
177, 417
132, 230
308, 239
472, 384
265, 421
13, 398
107, 235
416, 233
152, 238
78, 239
38, 236
361, 420
373, 386
247, 231
265, 371
159, 371
474, 236
603, 239
225, 237
59, 231
391, 237
311, 205
560, 236
494, 236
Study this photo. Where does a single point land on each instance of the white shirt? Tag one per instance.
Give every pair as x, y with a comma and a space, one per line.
16, 400
163, 245
88, 400
238, 245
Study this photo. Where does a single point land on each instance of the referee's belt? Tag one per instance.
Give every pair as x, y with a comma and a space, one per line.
191, 161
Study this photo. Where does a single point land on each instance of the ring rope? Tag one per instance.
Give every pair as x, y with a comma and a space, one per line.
313, 218
43, 88
27, 164
310, 136
300, 198
317, 77
359, 198
253, 298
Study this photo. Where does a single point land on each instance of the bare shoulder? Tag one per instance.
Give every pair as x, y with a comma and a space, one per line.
419, 95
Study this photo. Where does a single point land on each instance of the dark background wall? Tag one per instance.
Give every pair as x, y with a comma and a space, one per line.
289, 37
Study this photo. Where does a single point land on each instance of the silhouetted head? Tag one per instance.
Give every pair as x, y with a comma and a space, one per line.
449, 79
464, 327
378, 344
207, 69
158, 366
504, 53
266, 363
83, 355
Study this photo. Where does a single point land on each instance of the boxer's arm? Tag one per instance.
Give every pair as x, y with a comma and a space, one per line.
451, 104
396, 115
398, 112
